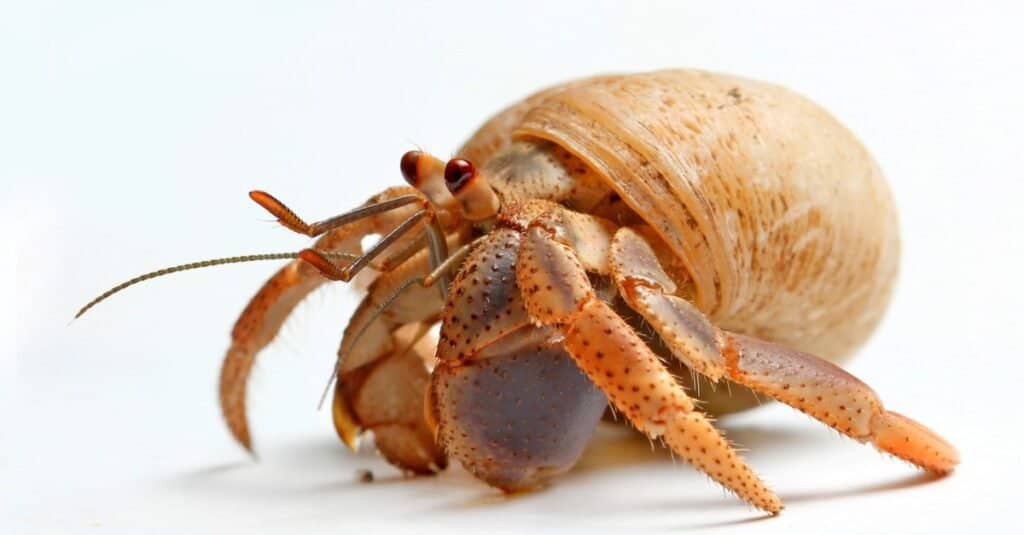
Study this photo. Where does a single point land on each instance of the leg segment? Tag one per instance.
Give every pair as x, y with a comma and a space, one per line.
386, 396
383, 375
833, 396
557, 292
263, 316
805, 382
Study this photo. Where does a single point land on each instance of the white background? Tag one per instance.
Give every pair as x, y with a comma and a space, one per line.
129, 137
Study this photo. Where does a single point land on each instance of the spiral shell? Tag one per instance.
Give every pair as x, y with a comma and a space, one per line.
778, 213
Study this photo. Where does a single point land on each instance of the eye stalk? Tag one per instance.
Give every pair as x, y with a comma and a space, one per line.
474, 195
426, 173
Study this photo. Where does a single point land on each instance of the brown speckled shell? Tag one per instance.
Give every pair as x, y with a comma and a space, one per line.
779, 214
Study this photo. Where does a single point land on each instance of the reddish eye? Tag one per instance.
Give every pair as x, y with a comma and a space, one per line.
409, 163
457, 173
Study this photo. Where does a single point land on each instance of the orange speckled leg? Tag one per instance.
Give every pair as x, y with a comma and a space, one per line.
833, 396
507, 400
263, 316
557, 292
813, 385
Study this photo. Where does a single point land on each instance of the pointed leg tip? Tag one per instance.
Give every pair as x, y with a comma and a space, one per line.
246, 443
771, 504
913, 442
345, 422
351, 443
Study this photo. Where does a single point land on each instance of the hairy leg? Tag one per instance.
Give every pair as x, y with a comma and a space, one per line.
383, 374
262, 318
805, 382
508, 402
557, 292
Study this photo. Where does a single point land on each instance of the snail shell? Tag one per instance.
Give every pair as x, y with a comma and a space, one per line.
778, 214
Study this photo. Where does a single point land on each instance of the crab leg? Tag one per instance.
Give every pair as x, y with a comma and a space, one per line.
383, 375
508, 401
557, 292
805, 382
386, 396
262, 318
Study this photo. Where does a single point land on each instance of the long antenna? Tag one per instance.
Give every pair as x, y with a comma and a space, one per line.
202, 264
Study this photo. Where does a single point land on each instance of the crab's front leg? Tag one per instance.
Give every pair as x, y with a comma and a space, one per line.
557, 292
395, 214
506, 400
266, 312
382, 368
808, 383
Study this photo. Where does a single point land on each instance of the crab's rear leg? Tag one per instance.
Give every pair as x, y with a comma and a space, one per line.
262, 318
557, 292
805, 382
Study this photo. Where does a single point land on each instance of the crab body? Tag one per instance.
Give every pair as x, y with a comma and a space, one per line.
737, 221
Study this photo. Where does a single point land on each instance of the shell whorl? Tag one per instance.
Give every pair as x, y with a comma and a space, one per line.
780, 215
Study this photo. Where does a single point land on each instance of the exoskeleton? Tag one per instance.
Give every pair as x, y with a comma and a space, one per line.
738, 222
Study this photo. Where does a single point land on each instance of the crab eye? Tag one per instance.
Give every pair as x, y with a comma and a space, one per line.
410, 165
457, 174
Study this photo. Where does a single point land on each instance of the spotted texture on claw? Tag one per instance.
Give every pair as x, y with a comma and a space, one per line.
483, 305
505, 398
809, 384
685, 330
642, 388
550, 288
647, 288
634, 261
806, 382
739, 225
557, 292
830, 394
519, 419
265, 313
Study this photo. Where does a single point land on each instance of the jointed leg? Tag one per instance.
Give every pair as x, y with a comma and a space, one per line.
394, 214
386, 396
383, 374
833, 396
506, 399
557, 292
810, 384
263, 316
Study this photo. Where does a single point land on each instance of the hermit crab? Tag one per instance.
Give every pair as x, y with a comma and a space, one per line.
594, 245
